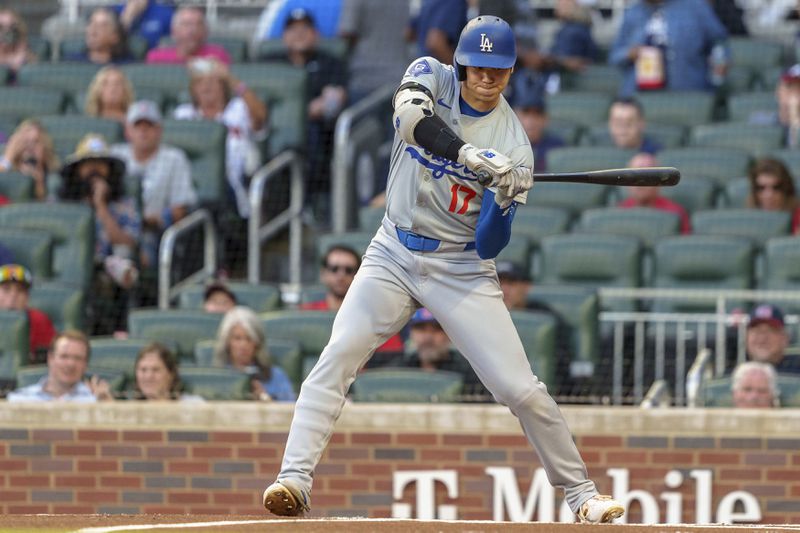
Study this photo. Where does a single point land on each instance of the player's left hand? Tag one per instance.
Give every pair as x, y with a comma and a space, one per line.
515, 181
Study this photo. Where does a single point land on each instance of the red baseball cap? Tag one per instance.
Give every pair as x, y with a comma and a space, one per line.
791, 74
766, 313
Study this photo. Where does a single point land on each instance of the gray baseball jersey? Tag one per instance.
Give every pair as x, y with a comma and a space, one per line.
434, 196
439, 199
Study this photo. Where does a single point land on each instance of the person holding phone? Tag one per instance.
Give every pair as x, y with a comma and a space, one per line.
30, 151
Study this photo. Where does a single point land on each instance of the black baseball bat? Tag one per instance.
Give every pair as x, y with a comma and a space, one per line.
632, 177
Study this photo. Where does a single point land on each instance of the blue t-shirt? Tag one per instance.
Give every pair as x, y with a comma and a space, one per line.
153, 23
279, 386
6, 256
450, 16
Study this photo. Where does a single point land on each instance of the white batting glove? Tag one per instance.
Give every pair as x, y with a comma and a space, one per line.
502, 199
485, 159
515, 181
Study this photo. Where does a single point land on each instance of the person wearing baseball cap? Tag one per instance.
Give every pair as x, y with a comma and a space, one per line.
767, 339
218, 298
531, 109
15, 288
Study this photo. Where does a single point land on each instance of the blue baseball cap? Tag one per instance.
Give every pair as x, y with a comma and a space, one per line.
422, 316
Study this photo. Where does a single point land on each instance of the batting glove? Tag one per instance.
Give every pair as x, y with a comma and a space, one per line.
502, 199
485, 159
515, 181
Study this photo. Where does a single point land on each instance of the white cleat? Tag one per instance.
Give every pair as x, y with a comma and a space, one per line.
600, 509
285, 498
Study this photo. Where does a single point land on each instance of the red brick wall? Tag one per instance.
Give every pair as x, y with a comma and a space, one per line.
198, 471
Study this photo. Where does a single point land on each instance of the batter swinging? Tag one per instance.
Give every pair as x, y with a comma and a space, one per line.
436, 249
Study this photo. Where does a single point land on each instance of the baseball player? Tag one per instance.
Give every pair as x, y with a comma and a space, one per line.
436, 248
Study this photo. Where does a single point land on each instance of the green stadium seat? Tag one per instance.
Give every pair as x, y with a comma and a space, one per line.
18, 103
699, 262
30, 248
740, 79
692, 193
744, 107
235, 46
770, 76
66, 77
566, 130
68, 130
14, 347
40, 48
790, 158
581, 158
312, 329
283, 87
72, 227
312, 292
534, 223
64, 304
717, 392
259, 297
752, 139
719, 164
204, 144
369, 218
357, 240
667, 135
184, 327
4, 74
407, 385
574, 197
16, 186
684, 108
117, 379
755, 53
594, 78
117, 354
215, 383
287, 354
782, 268
518, 251
335, 47
171, 80
736, 193
537, 332
647, 225
586, 108
758, 225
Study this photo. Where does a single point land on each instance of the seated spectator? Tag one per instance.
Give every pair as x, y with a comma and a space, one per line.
273, 17
218, 298
651, 196
766, 339
93, 176
437, 27
573, 46
665, 44
432, 350
148, 19
242, 344
106, 42
217, 95
157, 376
15, 289
190, 40
626, 125
532, 113
67, 362
772, 188
338, 268
14, 51
30, 151
755, 385
109, 95
327, 79
164, 174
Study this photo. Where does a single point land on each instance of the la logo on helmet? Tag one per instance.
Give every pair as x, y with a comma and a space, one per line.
486, 44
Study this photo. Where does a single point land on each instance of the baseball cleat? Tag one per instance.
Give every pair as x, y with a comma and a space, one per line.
600, 509
285, 498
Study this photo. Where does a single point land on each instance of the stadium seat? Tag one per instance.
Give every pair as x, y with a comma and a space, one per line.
518, 251
140, 93
736, 192
184, 327
204, 144
18, 103
215, 383
699, 262
72, 227
752, 139
287, 354
782, 268
648, 225
537, 332
312, 329
717, 392
369, 218
745, 107
677, 107
16, 186
790, 158
117, 354
357, 240
567, 131
407, 385
283, 87
692, 193
64, 304
235, 46
594, 78
758, 225
719, 164
534, 223
755, 53
171, 80
30, 248
259, 297
667, 135
14, 347
740, 79
574, 197
117, 380
586, 108
312, 292
334, 47
137, 46
581, 158
67, 130
40, 48
67, 77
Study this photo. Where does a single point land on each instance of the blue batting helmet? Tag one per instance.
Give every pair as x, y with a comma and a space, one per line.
486, 41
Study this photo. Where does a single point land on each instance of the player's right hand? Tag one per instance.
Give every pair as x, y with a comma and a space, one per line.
485, 159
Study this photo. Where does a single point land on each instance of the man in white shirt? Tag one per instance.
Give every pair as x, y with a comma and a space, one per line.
163, 171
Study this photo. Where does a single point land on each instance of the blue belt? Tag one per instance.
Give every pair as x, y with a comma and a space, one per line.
420, 243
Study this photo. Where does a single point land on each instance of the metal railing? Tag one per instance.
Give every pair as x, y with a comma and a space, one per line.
200, 218
345, 152
291, 216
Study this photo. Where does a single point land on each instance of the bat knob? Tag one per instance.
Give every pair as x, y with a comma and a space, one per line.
484, 178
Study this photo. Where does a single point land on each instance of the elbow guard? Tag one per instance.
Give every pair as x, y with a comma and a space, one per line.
412, 103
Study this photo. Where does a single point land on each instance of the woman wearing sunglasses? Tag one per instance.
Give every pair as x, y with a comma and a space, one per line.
772, 188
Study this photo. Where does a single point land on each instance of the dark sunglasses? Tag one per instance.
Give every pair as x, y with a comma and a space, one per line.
336, 268
762, 188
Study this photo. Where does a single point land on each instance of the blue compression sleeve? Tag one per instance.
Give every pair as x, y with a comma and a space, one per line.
494, 226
